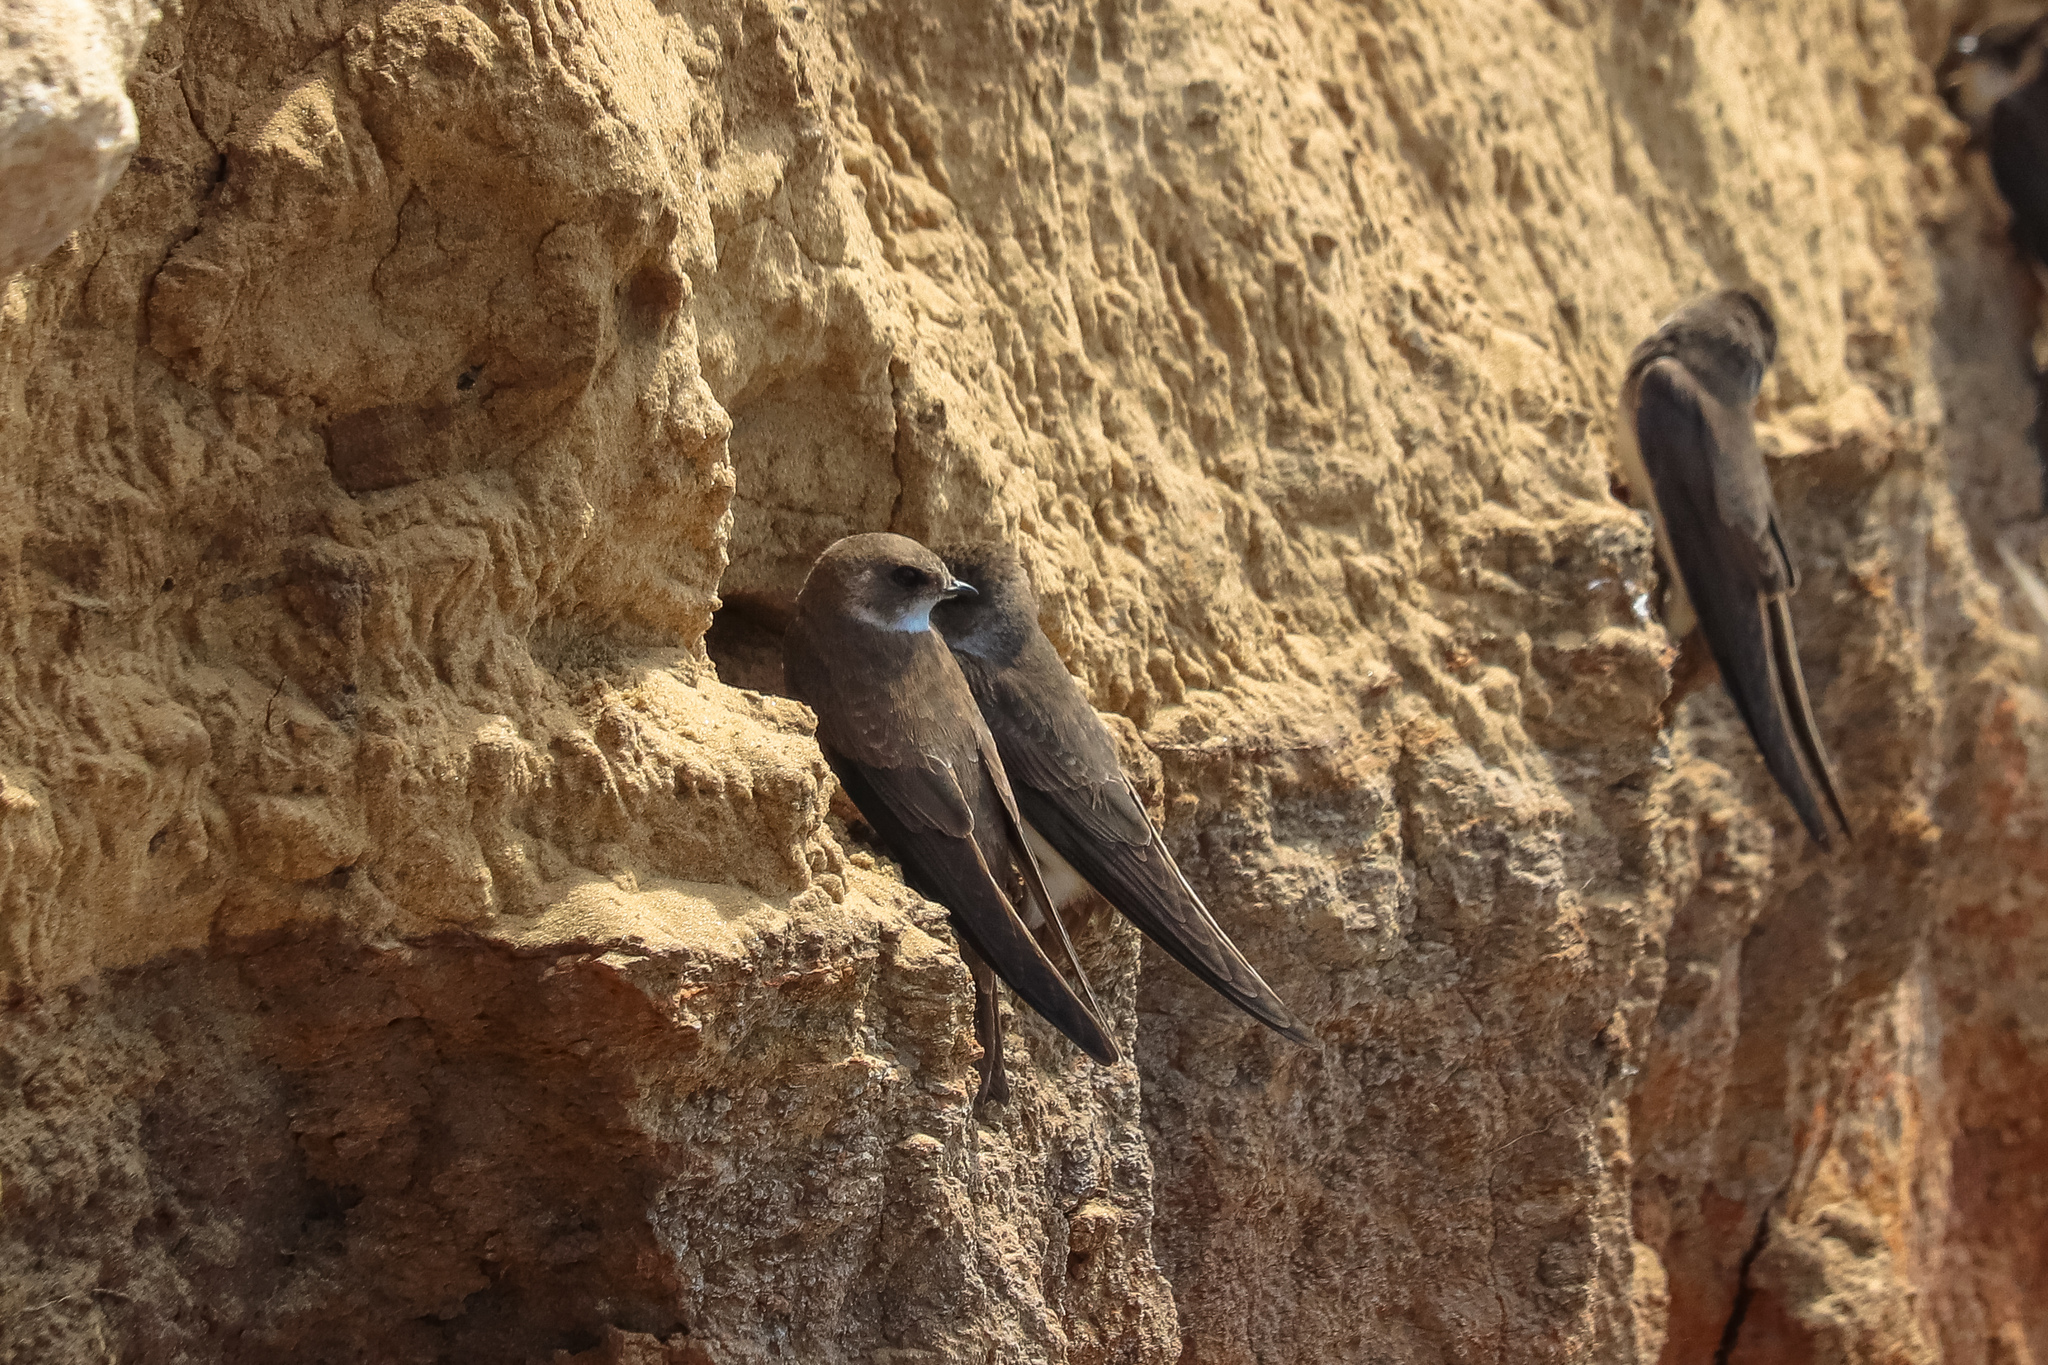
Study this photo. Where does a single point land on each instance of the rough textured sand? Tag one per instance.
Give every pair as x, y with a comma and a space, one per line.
417, 944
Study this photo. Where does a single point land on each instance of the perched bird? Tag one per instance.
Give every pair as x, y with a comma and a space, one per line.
901, 731
1997, 88
1689, 442
1081, 815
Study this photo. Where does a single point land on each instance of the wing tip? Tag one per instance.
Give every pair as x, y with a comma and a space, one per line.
1835, 803
1086, 1032
1809, 759
1818, 830
1296, 1032
1263, 1003
1070, 1016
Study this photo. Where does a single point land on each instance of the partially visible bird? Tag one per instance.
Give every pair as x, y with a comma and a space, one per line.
900, 729
1081, 815
1996, 80
1997, 87
1688, 440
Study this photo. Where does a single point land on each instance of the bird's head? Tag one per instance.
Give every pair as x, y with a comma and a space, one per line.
1757, 330
996, 622
1726, 338
1988, 63
890, 582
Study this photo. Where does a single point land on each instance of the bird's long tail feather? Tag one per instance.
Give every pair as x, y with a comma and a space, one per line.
1799, 710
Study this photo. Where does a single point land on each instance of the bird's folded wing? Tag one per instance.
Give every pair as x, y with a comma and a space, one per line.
1052, 742
1144, 884
1718, 524
921, 814
1052, 930
1708, 477
1071, 787
907, 751
1799, 710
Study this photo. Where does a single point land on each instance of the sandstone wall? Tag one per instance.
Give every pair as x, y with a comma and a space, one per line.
419, 944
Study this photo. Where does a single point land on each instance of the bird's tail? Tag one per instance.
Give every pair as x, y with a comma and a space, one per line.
1751, 671
1010, 949
1798, 710
1147, 887
1238, 980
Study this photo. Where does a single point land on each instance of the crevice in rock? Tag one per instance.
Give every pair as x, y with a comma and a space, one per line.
1744, 1290
745, 640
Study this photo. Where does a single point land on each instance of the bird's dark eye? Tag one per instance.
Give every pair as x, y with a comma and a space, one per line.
908, 577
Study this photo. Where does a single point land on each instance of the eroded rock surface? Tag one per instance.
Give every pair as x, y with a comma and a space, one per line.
424, 940
66, 127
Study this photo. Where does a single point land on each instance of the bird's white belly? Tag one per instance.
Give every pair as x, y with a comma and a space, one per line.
1062, 883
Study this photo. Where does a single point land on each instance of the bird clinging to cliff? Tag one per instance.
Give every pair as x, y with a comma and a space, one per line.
1689, 441
1997, 87
1996, 80
899, 727
1082, 817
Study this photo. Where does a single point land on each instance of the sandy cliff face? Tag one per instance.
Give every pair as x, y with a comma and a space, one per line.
420, 943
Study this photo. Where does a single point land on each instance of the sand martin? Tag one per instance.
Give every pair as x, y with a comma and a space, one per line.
1688, 440
901, 731
1081, 815
1996, 86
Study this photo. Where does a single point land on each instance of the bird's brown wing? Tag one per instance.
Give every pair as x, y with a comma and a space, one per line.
2018, 148
1719, 517
1052, 931
1798, 709
910, 758
1072, 790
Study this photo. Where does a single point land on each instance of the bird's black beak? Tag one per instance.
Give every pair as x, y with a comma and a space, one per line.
958, 589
